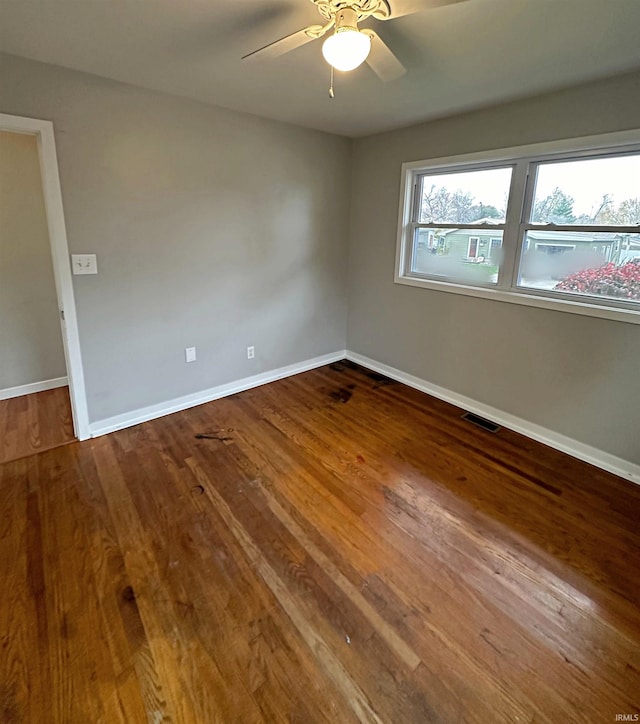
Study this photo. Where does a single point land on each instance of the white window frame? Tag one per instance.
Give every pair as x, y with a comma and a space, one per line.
523, 159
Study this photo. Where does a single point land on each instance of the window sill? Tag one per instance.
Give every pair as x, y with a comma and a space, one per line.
571, 306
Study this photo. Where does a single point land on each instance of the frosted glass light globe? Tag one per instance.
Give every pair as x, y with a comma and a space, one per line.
346, 49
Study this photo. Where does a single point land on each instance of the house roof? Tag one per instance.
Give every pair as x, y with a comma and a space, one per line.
541, 235
579, 236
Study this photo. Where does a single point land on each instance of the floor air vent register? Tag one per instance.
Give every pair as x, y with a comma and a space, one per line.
481, 422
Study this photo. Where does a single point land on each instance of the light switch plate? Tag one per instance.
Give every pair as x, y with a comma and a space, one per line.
84, 263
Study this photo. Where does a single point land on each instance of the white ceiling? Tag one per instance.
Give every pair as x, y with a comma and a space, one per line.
470, 54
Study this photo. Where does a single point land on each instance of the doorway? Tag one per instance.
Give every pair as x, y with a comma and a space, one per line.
43, 357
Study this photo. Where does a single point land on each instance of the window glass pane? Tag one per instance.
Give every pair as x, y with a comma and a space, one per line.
465, 197
592, 191
471, 256
594, 264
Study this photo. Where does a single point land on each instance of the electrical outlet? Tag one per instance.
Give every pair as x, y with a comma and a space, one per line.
190, 354
84, 264
251, 352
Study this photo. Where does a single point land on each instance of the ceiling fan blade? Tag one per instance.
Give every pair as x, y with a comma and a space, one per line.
409, 7
382, 60
284, 45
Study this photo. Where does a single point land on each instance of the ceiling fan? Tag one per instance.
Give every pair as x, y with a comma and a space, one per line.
348, 47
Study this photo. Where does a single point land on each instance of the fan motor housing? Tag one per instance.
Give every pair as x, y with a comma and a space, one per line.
329, 9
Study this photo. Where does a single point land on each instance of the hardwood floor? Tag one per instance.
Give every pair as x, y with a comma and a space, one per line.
332, 547
33, 423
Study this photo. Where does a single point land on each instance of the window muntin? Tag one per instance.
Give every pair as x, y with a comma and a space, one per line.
606, 248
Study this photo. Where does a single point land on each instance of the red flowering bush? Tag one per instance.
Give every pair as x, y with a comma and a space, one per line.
608, 281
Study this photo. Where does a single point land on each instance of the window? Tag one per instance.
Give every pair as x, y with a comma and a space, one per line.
494, 248
554, 248
455, 209
547, 226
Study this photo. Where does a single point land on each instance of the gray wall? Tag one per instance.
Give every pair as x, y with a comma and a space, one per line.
575, 375
213, 229
218, 230
30, 337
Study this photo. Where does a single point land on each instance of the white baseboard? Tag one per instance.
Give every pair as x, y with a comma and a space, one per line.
135, 417
599, 458
32, 387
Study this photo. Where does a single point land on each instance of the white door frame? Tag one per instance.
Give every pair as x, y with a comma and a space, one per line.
43, 131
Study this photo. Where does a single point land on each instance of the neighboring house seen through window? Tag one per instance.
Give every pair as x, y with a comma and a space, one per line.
559, 229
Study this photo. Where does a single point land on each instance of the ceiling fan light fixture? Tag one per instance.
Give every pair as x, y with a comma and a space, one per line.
346, 49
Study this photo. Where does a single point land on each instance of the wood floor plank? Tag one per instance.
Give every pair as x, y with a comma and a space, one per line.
333, 547
34, 423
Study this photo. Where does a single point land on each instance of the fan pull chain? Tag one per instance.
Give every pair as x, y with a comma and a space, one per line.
331, 93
